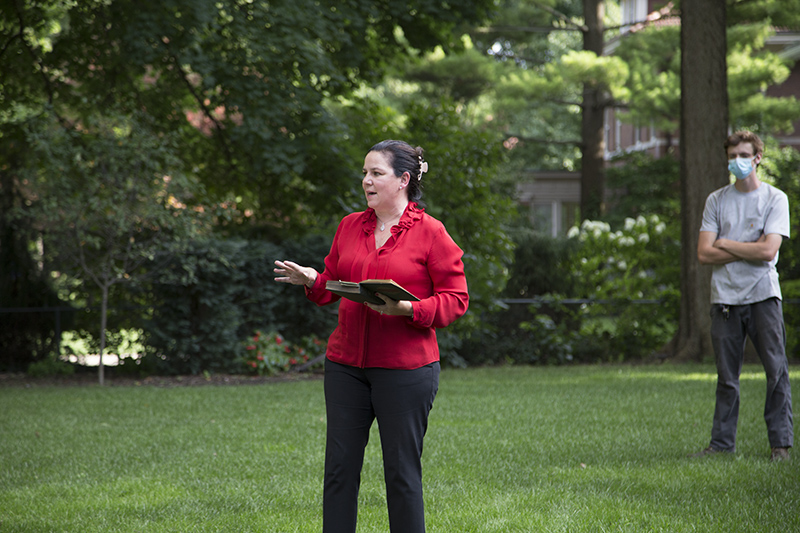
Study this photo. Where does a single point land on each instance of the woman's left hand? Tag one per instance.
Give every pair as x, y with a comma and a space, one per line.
391, 307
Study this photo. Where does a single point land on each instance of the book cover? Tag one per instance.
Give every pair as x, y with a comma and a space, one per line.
365, 291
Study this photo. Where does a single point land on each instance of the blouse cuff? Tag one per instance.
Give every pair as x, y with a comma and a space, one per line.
314, 288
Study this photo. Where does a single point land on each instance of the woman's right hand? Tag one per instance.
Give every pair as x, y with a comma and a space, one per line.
289, 272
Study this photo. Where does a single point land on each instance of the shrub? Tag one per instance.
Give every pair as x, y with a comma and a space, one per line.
508, 333
213, 293
540, 265
791, 317
269, 354
782, 168
614, 268
50, 366
611, 275
195, 319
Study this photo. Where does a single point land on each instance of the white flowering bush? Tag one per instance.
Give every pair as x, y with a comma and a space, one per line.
633, 276
602, 294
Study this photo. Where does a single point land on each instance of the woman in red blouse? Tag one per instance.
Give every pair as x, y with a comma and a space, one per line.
383, 360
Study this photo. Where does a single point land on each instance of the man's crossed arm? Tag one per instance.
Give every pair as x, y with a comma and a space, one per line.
714, 251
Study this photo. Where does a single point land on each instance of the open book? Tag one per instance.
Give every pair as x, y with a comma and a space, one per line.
365, 291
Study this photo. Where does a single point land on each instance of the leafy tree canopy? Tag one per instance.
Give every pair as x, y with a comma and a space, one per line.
653, 55
243, 83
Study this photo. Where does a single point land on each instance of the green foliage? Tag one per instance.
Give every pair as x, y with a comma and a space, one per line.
244, 84
653, 87
616, 267
195, 321
126, 343
548, 342
781, 167
540, 263
605, 296
115, 199
790, 291
268, 354
524, 333
50, 366
624, 263
751, 70
530, 102
24, 337
105, 197
464, 77
783, 12
640, 184
606, 73
209, 294
459, 193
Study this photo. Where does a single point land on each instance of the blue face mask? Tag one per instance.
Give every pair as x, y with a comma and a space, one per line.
740, 167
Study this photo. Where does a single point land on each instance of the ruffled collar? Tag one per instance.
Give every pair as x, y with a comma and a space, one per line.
412, 213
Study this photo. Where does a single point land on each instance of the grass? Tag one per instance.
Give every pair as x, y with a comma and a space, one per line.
512, 449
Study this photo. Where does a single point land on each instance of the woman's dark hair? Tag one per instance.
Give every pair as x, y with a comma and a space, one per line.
404, 158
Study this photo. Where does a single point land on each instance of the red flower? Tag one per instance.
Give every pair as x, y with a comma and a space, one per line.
292, 361
278, 339
253, 364
260, 357
251, 347
317, 342
287, 349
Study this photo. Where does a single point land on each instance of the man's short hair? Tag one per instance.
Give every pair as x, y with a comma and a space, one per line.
744, 136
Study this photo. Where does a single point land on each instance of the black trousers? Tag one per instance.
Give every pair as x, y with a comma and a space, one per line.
400, 400
730, 327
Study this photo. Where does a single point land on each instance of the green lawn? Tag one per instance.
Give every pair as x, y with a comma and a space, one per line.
522, 449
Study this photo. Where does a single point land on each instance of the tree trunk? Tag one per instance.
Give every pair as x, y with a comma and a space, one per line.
592, 144
703, 129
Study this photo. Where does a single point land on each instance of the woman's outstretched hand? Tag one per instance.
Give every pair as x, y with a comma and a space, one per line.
289, 272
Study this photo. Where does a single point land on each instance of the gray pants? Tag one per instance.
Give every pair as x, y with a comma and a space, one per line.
763, 323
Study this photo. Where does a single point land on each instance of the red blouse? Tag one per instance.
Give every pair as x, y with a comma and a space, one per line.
422, 257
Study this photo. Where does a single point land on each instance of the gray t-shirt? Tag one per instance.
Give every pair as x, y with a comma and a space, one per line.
744, 217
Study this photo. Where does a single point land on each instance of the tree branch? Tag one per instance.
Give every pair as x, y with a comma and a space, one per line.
206, 111
561, 16
576, 142
548, 29
8, 43
523, 29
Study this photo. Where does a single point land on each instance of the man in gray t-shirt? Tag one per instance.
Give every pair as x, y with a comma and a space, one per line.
743, 227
